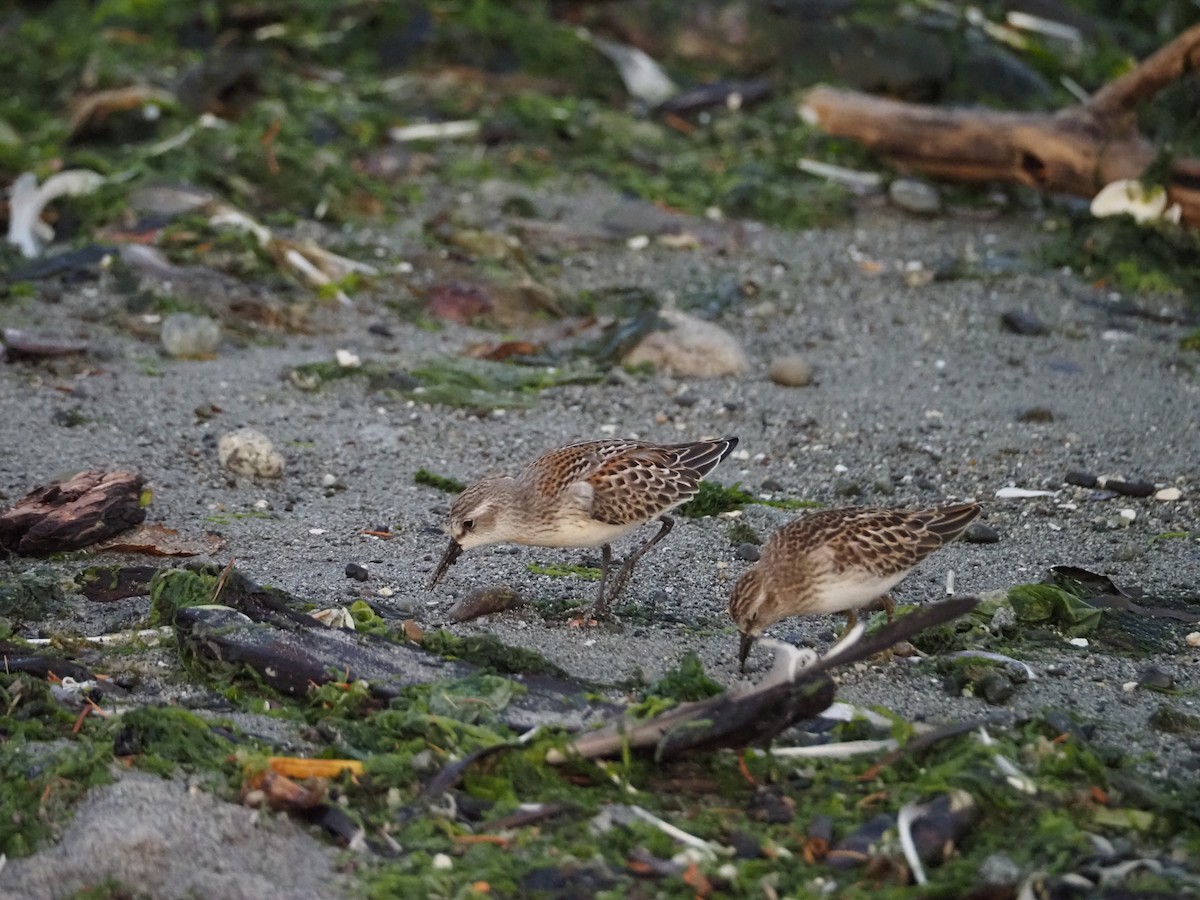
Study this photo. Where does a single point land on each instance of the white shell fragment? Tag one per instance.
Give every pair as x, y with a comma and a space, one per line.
249, 452
1128, 195
1016, 493
185, 336
1078, 642
26, 230
347, 359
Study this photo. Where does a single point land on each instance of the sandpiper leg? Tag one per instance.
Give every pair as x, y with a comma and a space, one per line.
626, 570
599, 608
851, 621
889, 606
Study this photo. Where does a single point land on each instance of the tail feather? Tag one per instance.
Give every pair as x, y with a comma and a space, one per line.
948, 522
702, 456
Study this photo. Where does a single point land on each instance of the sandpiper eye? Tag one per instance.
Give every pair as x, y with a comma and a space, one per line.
468, 525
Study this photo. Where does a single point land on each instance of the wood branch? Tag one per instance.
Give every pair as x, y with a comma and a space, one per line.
1077, 150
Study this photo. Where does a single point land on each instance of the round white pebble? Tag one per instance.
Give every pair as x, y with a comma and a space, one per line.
185, 336
1078, 642
250, 452
1193, 639
1128, 514
442, 861
1171, 493
347, 359
790, 371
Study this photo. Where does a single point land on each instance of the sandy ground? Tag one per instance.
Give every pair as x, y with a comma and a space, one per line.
917, 387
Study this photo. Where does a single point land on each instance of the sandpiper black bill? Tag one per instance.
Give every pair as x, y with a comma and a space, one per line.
452, 553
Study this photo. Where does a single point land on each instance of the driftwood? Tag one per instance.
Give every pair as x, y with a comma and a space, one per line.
1077, 150
76, 512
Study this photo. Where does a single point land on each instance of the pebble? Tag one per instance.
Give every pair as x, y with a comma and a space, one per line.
1129, 488
884, 485
691, 347
773, 485
1122, 519
1171, 493
1156, 680
981, 533
357, 572
1003, 620
1193, 639
790, 371
1081, 479
915, 196
347, 359
1020, 322
748, 552
249, 452
1128, 551
185, 336
995, 687
844, 487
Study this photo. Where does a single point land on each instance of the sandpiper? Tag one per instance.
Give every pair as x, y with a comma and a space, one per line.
586, 494
838, 560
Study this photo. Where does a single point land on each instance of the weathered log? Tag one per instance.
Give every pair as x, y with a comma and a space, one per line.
76, 512
1077, 150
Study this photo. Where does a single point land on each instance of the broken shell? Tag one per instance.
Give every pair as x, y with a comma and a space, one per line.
1128, 195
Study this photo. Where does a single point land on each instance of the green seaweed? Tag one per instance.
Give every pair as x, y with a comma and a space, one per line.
440, 482
163, 738
30, 596
554, 570
488, 652
712, 499
173, 589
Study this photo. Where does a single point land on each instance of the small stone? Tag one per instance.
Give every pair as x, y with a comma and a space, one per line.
1193, 639
249, 452
1156, 680
1167, 494
1130, 488
884, 485
691, 347
915, 196
1003, 620
357, 572
995, 687
1081, 479
981, 533
748, 552
328, 479
442, 862
1128, 551
772, 485
790, 371
1080, 642
844, 487
185, 336
1039, 414
205, 411
347, 359
1020, 322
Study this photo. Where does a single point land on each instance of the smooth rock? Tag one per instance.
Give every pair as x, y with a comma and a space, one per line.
250, 452
691, 348
357, 572
748, 552
1130, 488
1156, 680
844, 487
1167, 494
790, 371
915, 196
1081, 479
1020, 322
998, 870
1193, 639
981, 533
995, 687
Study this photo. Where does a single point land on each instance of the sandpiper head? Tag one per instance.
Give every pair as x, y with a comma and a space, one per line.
478, 516
746, 608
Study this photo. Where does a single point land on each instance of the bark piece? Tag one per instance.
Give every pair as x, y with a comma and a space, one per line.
72, 513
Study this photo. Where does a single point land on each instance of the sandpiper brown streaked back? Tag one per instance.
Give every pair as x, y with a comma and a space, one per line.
838, 560
586, 494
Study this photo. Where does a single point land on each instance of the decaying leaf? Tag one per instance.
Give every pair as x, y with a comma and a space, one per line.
156, 539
